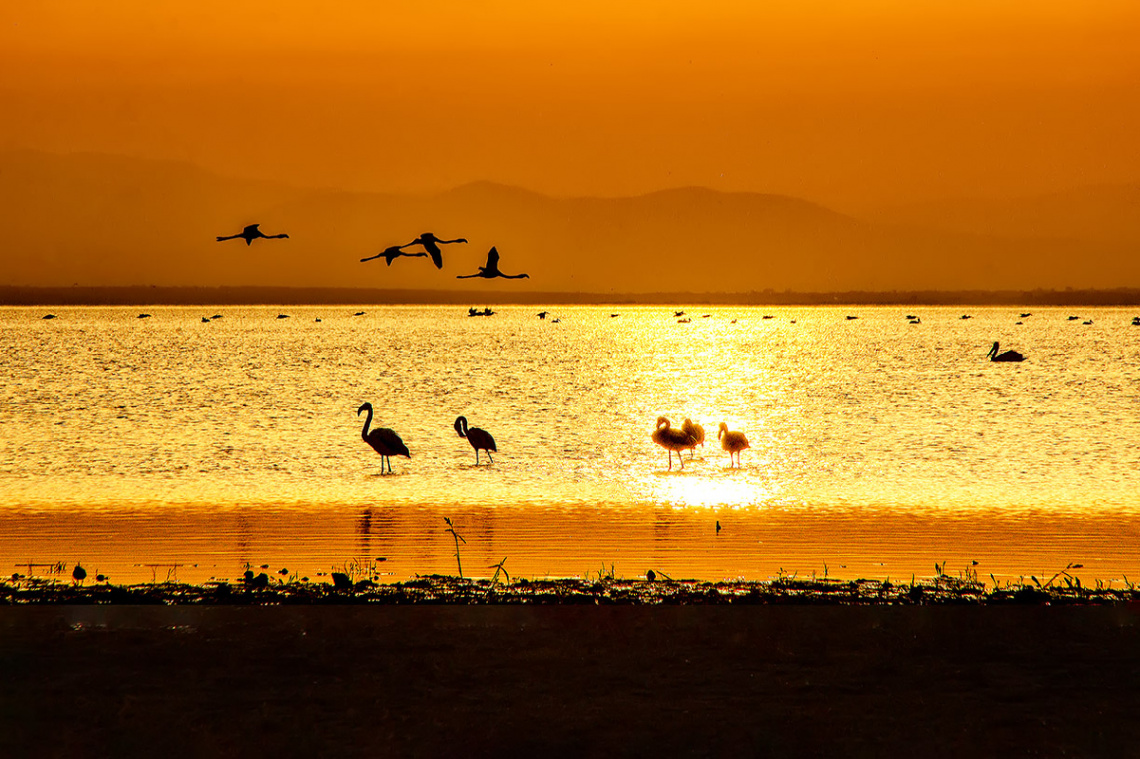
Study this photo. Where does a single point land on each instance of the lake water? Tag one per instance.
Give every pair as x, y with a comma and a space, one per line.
172, 447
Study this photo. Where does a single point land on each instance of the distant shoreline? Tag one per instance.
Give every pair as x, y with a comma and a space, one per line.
194, 296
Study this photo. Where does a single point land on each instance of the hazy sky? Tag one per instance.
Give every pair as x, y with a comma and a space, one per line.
847, 103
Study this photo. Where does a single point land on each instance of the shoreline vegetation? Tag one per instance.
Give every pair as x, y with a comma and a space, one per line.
252, 296
603, 590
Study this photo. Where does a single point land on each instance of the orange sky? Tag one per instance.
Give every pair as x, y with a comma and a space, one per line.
847, 103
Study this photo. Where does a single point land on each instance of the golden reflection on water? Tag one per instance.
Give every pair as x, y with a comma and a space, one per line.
877, 447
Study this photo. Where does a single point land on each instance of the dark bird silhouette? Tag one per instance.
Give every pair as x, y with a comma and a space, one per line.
671, 440
143, 316
79, 574
696, 432
993, 355
478, 438
383, 440
718, 527
678, 313
733, 442
49, 316
431, 244
542, 314
251, 233
1026, 315
394, 252
491, 270
205, 320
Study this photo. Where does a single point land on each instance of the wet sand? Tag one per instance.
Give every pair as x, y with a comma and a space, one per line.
457, 680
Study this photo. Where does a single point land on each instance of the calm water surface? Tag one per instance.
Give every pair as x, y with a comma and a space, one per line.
878, 446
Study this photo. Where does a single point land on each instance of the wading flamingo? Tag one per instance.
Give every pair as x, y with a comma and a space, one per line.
671, 440
478, 438
733, 442
696, 432
383, 440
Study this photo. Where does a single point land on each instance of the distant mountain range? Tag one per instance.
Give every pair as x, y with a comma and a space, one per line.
100, 220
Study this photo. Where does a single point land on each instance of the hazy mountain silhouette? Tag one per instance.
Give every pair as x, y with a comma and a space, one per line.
106, 220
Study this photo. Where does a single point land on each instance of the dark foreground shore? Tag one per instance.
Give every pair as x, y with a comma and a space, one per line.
583, 680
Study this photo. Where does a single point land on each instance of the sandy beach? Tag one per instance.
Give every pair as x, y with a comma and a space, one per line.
568, 680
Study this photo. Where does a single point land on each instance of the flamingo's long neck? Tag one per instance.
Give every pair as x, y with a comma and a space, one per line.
367, 421
461, 426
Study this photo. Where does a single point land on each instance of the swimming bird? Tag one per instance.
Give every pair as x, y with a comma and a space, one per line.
491, 270
678, 313
733, 442
993, 355
143, 316
431, 244
542, 314
49, 316
694, 431
383, 440
671, 440
392, 253
251, 233
479, 439
1026, 315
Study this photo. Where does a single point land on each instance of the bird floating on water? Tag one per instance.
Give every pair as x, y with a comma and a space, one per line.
431, 244
491, 270
479, 439
251, 233
383, 440
993, 355
731, 441
671, 440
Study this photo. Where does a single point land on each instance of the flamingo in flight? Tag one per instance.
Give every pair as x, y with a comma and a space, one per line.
478, 438
251, 233
383, 440
431, 244
392, 253
491, 270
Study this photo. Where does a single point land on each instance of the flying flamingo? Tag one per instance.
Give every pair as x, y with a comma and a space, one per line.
671, 440
733, 442
1007, 356
479, 439
431, 244
392, 253
696, 432
491, 270
383, 440
251, 233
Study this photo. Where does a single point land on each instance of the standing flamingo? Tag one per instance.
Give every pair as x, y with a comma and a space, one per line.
671, 440
733, 442
479, 439
251, 233
696, 432
383, 440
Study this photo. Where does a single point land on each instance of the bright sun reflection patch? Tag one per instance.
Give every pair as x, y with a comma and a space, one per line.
704, 489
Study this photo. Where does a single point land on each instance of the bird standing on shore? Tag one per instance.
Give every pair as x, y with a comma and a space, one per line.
431, 244
491, 270
733, 442
478, 438
671, 440
251, 233
383, 440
